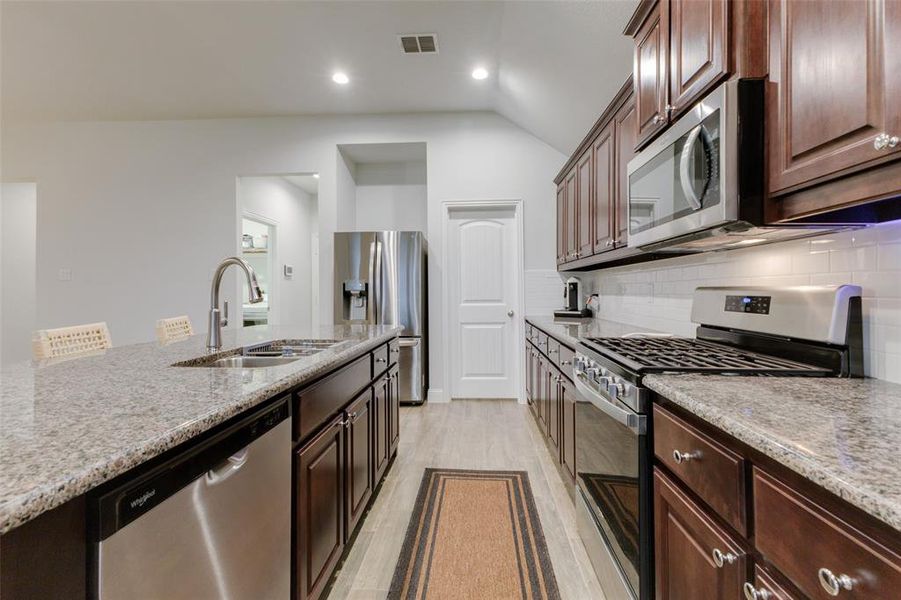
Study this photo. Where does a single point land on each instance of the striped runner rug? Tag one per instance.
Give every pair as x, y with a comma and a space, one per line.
474, 535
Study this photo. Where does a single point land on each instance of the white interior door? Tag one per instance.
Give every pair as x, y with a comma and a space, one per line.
483, 280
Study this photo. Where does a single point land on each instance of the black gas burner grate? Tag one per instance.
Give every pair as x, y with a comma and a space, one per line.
660, 354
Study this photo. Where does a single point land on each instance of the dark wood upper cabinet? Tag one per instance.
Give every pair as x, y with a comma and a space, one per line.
572, 199
360, 427
585, 195
694, 557
697, 50
604, 187
650, 73
835, 84
561, 223
319, 509
625, 140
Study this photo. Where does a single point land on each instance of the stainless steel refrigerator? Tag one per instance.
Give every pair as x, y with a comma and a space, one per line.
380, 278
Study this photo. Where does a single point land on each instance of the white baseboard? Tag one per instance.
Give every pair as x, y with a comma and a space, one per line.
437, 396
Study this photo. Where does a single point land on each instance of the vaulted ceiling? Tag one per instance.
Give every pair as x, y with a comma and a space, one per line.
552, 66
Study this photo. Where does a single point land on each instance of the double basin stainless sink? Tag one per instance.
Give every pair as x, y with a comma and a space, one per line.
266, 354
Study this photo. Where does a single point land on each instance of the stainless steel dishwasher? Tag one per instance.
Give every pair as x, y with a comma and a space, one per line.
213, 522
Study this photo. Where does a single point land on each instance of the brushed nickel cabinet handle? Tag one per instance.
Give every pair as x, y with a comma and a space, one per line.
834, 584
381, 360
884, 140
684, 457
754, 594
720, 559
565, 362
657, 120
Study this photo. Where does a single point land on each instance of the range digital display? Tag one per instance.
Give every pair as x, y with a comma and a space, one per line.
758, 305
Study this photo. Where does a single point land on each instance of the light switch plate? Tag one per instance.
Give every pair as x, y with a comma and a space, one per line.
289, 271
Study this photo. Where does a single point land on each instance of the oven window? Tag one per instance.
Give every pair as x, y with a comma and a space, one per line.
678, 181
607, 455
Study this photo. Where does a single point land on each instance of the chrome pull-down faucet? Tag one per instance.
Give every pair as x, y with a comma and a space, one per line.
214, 333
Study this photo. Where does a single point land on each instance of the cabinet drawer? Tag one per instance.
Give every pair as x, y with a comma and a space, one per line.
393, 351
811, 546
316, 404
381, 358
566, 357
712, 471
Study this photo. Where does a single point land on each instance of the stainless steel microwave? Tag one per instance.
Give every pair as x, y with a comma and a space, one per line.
701, 184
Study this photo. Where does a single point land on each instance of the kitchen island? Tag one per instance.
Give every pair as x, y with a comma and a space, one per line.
69, 427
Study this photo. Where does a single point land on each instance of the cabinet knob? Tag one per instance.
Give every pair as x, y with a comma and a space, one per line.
720, 559
669, 108
684, 457
834, 584
754, 594
608, 243
884, 140
381, 360
657, 119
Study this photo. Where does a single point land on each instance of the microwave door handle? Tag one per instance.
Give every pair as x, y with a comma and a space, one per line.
631, 420
685, 165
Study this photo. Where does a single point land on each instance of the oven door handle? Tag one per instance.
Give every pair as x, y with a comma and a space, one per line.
637, 423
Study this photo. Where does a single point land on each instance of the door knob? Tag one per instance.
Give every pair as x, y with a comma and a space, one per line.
509, 313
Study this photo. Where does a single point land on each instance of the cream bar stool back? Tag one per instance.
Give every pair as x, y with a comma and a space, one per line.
176, 328
70, 342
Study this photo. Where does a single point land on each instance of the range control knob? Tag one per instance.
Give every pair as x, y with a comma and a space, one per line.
616, 389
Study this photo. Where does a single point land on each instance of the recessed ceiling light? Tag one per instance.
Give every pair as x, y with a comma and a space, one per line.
340, 78
480, 73
315, 175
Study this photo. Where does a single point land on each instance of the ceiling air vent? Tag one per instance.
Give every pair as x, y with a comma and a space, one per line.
419, 43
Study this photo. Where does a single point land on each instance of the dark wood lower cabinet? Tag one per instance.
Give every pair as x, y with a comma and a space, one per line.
694, 557
360, 426
380, 437
393, 411
319, 510
568, 427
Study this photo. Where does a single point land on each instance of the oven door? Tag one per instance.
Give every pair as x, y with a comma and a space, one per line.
684, 182
613, 493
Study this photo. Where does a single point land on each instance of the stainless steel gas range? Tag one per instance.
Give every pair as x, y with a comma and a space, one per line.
813, 331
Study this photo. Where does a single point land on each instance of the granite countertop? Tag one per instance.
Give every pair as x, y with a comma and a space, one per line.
69, 426
842, 434
570, 330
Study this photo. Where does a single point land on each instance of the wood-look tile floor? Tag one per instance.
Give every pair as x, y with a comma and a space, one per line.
465, 434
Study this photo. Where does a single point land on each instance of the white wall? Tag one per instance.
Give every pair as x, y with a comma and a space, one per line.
345, 193
658, 295
293, 213
18, 205
391, 196
138, 210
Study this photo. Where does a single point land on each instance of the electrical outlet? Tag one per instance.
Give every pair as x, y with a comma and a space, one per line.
289, 271
64, 275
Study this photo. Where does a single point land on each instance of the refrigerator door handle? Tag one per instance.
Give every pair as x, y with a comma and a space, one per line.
373, 284
408, 342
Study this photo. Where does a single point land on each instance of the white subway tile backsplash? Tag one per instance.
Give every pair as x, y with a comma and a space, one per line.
658, 295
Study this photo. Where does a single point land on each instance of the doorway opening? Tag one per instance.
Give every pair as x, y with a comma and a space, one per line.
482, 279
278, 235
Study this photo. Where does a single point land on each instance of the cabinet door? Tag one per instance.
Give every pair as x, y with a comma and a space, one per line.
687, 544
561, 223
697, 50
625, 139
585, 202
568, 427
835, 74
541, 392
650, 73
380, 443
528, 368
604, 181
572, 216
393, 412
319, 510
553, 421
360, 428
